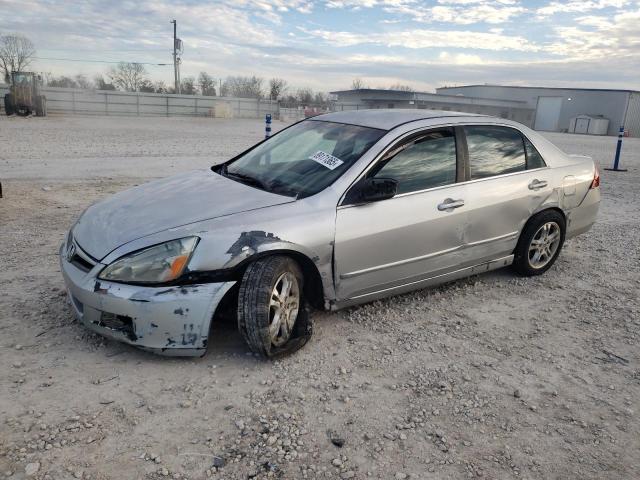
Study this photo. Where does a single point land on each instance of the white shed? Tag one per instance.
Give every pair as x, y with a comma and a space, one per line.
589, 124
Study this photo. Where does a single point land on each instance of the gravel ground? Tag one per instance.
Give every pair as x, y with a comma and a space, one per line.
493, 376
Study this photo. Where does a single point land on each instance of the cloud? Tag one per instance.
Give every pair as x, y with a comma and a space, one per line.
462, 12
579, 6
608, 38
359, 4
469, 2
589, 43
425, 38
460, 59
475, 14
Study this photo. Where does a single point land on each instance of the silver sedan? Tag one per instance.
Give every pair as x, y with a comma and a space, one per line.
333, 211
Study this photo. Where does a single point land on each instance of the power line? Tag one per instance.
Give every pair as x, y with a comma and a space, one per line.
99, 61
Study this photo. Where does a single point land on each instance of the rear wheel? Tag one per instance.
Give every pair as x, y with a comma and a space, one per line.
41, 106
8, 104
540, 243
271, 314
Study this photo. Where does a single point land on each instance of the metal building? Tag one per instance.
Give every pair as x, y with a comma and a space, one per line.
555, 107
364, 98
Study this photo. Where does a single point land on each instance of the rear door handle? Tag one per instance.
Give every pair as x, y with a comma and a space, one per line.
449, 204
537, 184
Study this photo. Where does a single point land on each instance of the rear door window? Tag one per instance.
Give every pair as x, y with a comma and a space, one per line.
494, 150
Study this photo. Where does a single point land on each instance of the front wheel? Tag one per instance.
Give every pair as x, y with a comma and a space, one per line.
540, 243
271, 313
8, 104
41, 106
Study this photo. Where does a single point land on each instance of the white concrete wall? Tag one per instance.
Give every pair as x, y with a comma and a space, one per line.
105, 102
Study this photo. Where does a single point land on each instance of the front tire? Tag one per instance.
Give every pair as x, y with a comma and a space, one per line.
540, 243
41, 106
271, 306
8, 104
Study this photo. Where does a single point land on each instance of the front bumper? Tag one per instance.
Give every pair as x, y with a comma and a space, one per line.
165, 320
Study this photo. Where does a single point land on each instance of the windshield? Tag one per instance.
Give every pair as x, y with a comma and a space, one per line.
21, 78
303, 159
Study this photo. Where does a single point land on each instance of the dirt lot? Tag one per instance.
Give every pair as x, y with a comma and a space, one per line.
494, 376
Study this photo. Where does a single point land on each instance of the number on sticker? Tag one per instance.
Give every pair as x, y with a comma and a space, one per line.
326, 159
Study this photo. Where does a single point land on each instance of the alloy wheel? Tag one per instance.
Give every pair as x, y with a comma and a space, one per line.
283, 308
544, 245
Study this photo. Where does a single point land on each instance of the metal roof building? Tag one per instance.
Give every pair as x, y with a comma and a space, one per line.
555, 107
369, 98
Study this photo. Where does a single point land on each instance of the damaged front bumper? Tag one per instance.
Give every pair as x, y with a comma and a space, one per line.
165, 320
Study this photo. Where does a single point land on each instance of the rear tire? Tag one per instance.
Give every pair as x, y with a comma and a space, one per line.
41, 106
8, 105
271, 306
540, 243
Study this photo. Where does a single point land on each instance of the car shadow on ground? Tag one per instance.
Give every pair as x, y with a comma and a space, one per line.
224, 337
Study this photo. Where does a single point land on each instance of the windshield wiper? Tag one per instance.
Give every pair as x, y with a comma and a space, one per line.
279, 187
243, 178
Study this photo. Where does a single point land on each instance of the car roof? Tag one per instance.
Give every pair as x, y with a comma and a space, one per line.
387, 119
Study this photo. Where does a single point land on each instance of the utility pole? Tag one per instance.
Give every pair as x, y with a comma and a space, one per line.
175, 59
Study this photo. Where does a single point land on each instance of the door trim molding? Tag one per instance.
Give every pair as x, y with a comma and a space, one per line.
398, 263
425, 282
507, 236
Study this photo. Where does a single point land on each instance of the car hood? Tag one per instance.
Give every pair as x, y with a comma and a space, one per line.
164, 204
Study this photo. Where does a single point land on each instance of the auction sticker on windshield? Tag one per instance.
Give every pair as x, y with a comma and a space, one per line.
326, 159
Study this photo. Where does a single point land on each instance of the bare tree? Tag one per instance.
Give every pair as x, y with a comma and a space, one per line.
358, 84
62, 82
128, 76
277, 87
401, 88
83, 82
321, 99
16, 53
243, 87
146, 86
207, 84
188, 86
102, 84
161, 87
304, 96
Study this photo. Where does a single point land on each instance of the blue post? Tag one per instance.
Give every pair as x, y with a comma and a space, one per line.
267, 127
616, 161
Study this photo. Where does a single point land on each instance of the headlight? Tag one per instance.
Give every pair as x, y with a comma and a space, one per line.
157, 264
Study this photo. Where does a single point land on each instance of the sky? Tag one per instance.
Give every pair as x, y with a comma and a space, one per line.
325, 44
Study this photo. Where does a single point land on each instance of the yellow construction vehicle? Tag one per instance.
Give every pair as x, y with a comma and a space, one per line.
24, 97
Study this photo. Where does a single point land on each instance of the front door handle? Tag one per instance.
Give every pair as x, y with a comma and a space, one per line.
449, 204
537, 184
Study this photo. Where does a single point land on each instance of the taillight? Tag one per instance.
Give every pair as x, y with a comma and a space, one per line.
596, 178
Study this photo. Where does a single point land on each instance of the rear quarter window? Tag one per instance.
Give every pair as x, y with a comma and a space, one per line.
534, 159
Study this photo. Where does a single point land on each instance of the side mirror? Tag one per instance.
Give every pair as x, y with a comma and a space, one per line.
376, 189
